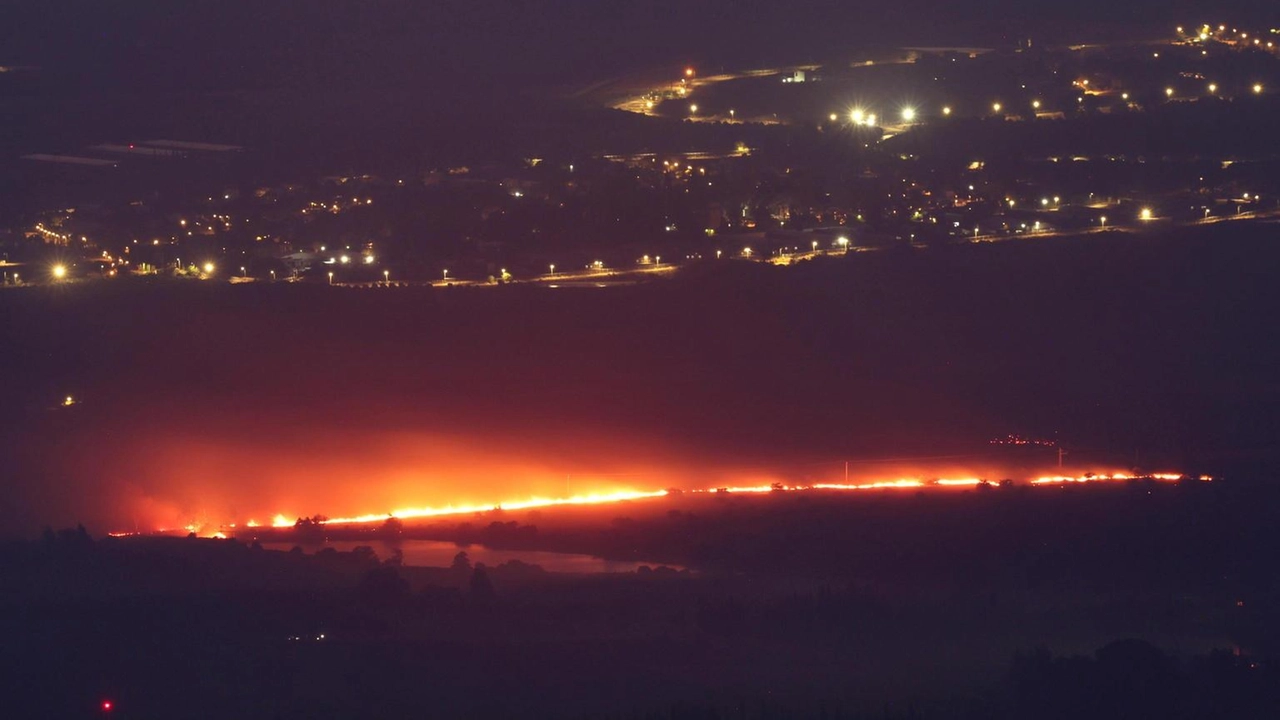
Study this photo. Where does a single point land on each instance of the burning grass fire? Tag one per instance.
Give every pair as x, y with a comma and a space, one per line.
604, 498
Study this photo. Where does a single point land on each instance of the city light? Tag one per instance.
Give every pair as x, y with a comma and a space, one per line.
1257, 89
208, 268
908, 114
1213, 88
946, 110
1168, 92
59, 271
996, 107
1146, 214
857, 116
1035, 104
693, 109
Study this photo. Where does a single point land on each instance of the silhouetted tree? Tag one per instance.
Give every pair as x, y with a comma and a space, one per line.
383, 586
461, 562
481, 585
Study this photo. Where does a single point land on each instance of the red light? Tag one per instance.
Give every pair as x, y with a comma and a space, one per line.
107, 705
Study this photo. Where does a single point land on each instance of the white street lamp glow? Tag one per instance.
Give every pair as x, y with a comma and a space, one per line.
908, 114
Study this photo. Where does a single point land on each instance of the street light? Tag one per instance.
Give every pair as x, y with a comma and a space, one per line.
59, 272
908, 114
844, 243
1035, 104
386, 277
1257, 89
330, 277
946, 110
1145, 214
693, 109
815, 246
1102, 221
208, 268
553, 268
446, 274
996, 107
1213, 88
243, 273
1168, 92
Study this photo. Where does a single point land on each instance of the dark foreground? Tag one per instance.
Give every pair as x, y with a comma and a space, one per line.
1112, 602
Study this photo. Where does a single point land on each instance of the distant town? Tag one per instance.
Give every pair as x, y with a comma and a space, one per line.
914, 148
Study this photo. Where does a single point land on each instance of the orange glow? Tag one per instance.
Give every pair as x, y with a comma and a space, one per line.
531, 503
606, 498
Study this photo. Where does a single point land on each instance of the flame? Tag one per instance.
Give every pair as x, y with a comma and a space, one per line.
1113, 477
531, 503
603, 498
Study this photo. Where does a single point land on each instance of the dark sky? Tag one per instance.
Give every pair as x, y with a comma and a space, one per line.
239, 42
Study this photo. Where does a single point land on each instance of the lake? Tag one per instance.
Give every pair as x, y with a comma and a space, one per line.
432, 553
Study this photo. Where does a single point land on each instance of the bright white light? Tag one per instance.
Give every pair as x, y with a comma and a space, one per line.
908, 114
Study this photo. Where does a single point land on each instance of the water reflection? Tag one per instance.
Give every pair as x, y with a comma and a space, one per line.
432, 553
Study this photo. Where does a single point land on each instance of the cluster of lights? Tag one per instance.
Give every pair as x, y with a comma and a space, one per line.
862, 118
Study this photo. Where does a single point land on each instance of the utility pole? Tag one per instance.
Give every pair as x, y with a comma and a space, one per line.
846, 472
1061, 453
